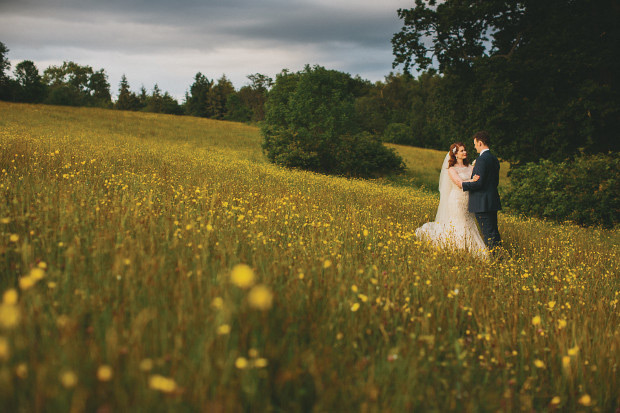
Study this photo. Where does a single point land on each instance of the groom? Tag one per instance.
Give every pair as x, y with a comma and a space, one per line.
483, 196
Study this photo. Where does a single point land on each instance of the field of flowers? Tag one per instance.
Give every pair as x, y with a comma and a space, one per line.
159, 263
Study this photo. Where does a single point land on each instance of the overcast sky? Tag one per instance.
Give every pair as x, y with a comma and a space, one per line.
168, 42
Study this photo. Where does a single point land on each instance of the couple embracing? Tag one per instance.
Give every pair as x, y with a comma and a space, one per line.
467, 194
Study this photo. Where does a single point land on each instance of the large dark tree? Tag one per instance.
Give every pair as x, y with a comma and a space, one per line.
311, 123
541, 76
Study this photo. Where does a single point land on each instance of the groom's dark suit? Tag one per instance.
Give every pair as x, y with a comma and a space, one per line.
484, 198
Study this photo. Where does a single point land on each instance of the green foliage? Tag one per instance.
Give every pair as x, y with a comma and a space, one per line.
585, 190
537, 75
199, 102
399, 133
162, 103
236, 109
74, 85
127, 100
4, 66
311, 123
30, 87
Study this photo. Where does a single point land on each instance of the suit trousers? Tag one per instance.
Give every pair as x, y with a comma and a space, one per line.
488, 226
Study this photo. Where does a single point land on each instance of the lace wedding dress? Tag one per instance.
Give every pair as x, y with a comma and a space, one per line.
454, 226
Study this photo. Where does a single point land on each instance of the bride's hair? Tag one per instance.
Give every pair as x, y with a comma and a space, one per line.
454, 148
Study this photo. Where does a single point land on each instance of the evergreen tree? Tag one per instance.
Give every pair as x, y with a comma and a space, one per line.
199, 101
221, 91
127, 100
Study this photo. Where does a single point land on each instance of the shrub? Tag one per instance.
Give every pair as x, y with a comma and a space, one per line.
585, 190
310, 123
399, 133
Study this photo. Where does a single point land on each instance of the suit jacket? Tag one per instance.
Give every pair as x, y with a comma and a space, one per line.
483, 195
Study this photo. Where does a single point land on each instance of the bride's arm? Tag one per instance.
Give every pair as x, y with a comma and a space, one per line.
454, 176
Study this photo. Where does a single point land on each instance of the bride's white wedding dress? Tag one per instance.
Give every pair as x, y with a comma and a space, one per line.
454, 226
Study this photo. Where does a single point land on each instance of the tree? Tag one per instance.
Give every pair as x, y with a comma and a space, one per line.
162, 103
221, 91
4, 78
30, 87
538, 75
99, 89
127, 100
256, 95
199, 101
237, 108
155, 102
311, 123
76, 85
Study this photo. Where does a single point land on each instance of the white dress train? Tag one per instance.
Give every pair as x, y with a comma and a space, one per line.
454, 226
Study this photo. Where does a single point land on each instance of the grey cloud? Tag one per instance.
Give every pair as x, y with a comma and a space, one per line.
204, 35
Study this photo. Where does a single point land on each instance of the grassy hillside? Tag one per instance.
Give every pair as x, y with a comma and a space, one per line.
158, 263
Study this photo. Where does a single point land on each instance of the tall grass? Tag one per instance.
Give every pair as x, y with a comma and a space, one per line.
121, 235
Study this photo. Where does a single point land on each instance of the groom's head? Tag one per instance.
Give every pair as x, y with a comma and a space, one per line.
481, 140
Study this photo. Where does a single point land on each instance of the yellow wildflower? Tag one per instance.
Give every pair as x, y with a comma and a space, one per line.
37, 274
146, 365
26, 282
573, 351
355, 307
68, 379
217, 303
241, 363
242, 276
9, 316
536, 320
539, 363
162, 384
223, 329
21, 370
585, 400
566, 362
5, 349
10, 296
104, 373
260, 297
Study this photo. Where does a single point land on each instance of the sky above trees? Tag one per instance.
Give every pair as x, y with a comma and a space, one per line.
168, 42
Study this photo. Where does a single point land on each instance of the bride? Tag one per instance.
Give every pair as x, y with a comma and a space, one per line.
454, 227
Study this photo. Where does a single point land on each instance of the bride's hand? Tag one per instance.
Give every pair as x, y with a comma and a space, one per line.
475, 178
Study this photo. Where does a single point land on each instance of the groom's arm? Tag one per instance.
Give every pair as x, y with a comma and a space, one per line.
480, 169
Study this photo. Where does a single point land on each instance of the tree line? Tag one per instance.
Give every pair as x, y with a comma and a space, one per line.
72, 84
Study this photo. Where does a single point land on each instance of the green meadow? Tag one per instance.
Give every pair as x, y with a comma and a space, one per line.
158, 263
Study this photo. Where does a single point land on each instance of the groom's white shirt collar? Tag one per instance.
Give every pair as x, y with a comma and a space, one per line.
483, 151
